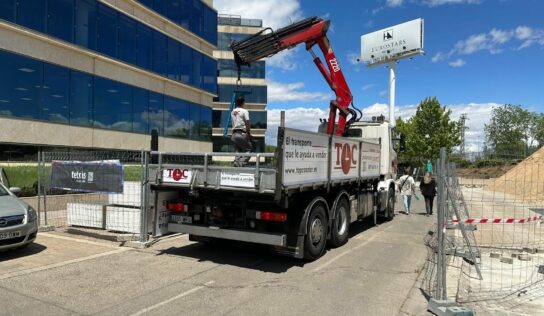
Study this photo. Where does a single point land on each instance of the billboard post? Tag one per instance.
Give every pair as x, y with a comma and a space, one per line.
389, 45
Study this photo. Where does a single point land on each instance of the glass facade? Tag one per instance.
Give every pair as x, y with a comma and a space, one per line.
257, 94
224, 144
42, 91
225, 39
257, 119
192, 15
227, 68
96, 26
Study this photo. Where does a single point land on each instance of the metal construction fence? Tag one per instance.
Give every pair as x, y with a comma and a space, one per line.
487, 249
99, 192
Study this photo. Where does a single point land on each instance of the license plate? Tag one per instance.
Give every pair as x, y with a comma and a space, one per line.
180, 219
10, 235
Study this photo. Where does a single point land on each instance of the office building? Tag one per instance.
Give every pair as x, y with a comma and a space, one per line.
234, 28
101, 74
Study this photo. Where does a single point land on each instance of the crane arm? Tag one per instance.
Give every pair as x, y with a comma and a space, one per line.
311, 31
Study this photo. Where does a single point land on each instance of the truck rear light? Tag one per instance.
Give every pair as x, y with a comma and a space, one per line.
177, 207
271, 216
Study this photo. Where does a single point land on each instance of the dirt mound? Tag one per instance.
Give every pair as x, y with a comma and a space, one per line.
484, 172
525, 181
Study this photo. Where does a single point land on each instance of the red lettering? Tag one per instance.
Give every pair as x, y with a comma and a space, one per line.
338, 147
177, 174
353, 156
346, 159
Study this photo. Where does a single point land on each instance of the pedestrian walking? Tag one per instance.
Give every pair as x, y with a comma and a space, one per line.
428, 190
241, 132
407, 188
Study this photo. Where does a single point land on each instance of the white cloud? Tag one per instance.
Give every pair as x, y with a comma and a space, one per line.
457, 63
353, 58
383, 93
394, 3
274, 13
440, 56
300, 118
284, 60
494, 42
368, 86
478, 115
435, 3
280, 92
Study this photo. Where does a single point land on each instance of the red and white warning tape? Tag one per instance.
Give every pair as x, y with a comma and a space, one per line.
497, 220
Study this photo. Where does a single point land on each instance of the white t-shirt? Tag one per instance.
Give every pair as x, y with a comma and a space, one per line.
237, 117
406, 184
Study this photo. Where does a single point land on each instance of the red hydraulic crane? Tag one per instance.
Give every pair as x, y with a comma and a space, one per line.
310, 31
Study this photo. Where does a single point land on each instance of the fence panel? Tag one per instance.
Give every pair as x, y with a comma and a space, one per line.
502, 213
98, 192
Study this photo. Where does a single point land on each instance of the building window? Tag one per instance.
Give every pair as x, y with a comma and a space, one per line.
107, 30
258, 119
228, 68
140, 110
225, 39
85, 23
20, 86
258, 94
55, 94
98, 27
31, 13
81, 98
127, 42
7, 10
192, 15
36, 90
60, 19
112, 105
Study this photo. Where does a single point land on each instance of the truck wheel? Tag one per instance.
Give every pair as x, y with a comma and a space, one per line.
316, 236
340, 224
390, 211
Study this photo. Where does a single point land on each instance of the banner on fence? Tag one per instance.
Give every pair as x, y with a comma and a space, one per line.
104, 176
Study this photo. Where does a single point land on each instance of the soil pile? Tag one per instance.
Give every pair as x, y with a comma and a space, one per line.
525, 181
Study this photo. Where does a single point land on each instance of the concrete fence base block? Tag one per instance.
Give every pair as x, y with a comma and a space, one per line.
507, 260
447, 308
524, 257
516, 255
438, 307
459, 311
43, 229
495, 255
541, 269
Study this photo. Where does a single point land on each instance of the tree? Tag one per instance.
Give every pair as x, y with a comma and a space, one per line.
511, 130
427, 131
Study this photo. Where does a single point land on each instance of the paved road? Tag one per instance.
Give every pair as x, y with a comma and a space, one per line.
373, 274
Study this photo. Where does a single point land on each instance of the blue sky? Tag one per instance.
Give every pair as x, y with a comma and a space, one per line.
479, 54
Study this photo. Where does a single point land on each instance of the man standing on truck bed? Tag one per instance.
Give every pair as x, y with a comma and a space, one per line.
241, 132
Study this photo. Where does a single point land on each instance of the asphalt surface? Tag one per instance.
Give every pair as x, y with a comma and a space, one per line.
375, 273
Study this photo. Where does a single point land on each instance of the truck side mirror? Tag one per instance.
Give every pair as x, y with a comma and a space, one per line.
402, 143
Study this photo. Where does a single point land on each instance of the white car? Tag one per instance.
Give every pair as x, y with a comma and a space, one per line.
18, 220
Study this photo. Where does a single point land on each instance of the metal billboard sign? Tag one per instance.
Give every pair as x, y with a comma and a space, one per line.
392, 43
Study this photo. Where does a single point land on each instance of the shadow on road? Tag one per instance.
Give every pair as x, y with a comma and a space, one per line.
30, 250
234, 253
248, 255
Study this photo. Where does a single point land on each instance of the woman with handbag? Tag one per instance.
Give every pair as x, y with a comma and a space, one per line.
428, 190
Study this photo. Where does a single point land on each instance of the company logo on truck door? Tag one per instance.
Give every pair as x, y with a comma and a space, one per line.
346, 156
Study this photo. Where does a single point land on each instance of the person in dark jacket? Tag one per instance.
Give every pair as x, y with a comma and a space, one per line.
428, 190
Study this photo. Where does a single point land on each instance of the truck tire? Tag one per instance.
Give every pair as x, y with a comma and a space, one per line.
316, 236
390, 209
340, 224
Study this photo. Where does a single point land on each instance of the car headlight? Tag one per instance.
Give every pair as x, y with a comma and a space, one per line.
31, 215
